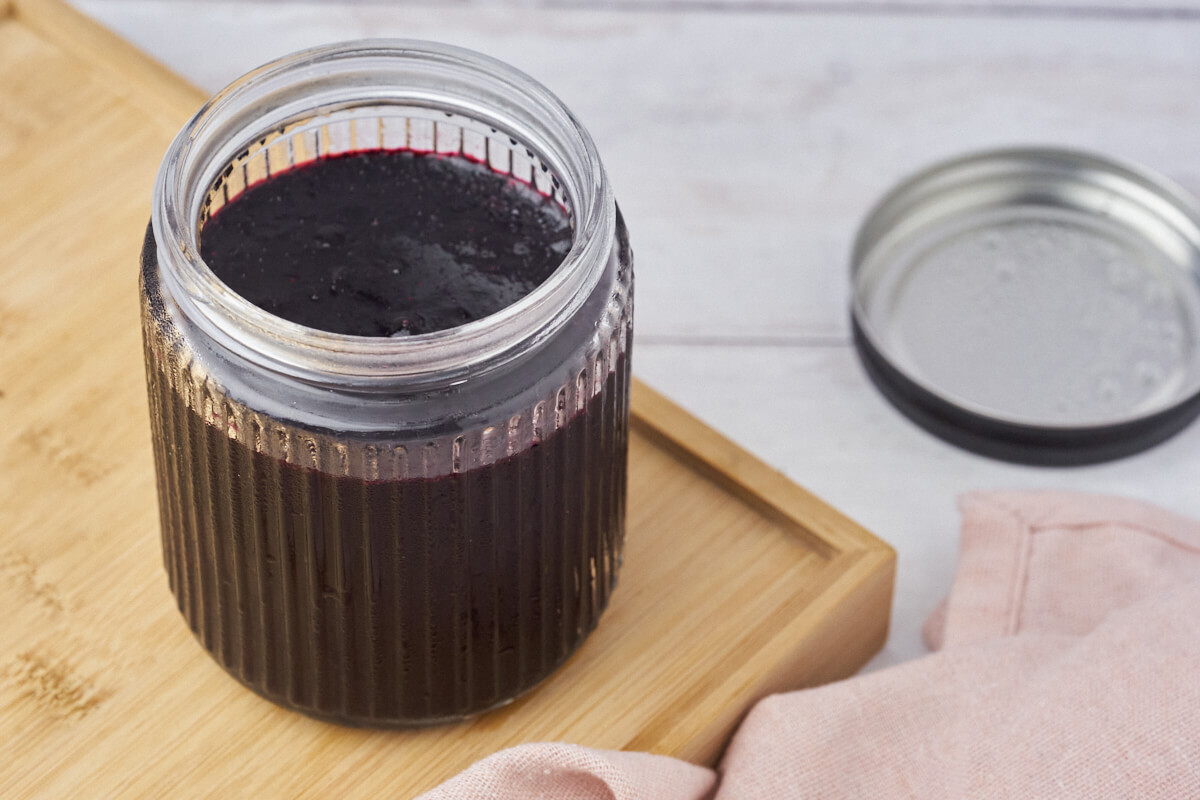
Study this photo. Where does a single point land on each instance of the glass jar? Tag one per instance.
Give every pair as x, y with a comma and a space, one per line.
388, 530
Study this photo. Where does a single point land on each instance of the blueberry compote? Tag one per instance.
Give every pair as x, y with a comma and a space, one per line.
401, 599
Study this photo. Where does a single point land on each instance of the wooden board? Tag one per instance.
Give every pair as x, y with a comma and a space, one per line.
736, 582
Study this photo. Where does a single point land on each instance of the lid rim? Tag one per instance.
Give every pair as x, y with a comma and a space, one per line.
1033, 445
935, 202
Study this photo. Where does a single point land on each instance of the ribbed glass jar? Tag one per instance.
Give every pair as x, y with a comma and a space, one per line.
388, 530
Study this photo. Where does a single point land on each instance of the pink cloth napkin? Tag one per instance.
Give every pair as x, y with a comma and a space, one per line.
1068, 666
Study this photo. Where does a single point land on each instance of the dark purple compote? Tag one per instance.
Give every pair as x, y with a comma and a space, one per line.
386, 243
399, 600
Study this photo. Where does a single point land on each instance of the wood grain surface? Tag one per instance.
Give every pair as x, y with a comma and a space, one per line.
736, 582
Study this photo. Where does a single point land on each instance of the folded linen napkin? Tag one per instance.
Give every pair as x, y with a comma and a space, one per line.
1068, 666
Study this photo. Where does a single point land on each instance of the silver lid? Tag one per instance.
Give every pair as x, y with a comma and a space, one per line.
1041, 304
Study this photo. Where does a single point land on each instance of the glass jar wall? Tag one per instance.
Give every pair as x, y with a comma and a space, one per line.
388, 530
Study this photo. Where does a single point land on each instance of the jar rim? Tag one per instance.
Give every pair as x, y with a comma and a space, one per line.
443, 76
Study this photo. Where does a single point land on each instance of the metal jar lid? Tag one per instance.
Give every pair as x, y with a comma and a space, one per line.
1036, 305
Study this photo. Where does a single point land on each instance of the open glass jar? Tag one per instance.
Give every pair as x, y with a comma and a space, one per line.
388, 530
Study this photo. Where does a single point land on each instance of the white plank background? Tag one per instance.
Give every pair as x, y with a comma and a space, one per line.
746, 140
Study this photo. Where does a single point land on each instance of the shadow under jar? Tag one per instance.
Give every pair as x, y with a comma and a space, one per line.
388, 530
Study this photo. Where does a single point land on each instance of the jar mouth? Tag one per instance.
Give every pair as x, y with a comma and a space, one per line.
323, 91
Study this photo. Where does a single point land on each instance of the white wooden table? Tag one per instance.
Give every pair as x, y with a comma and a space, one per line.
746, 140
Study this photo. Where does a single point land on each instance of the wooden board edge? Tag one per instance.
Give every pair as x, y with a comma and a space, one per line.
825, 652
136, 76
827, 530
699, 445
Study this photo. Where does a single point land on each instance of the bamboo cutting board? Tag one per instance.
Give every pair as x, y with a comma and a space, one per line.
736, 583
